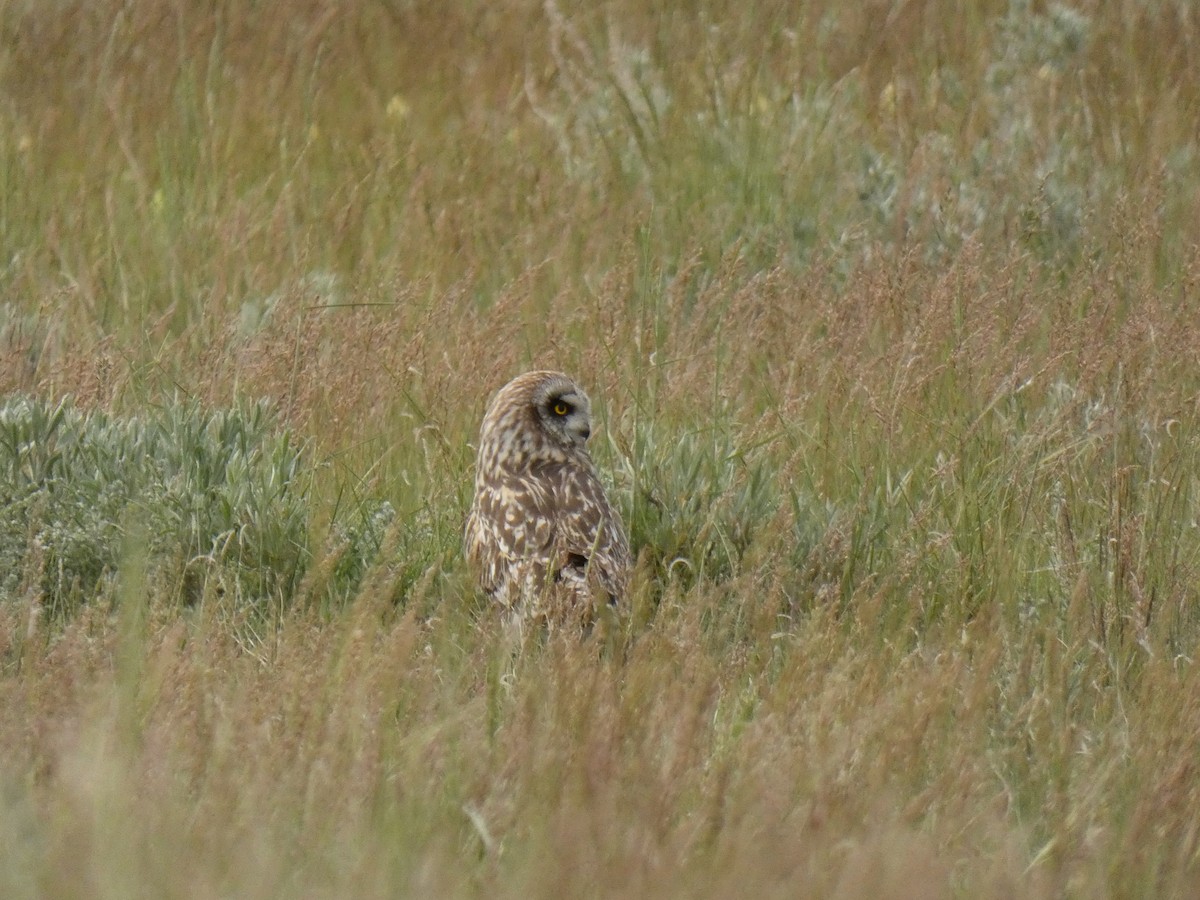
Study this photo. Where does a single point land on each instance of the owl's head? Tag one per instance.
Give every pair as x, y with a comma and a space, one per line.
536, 416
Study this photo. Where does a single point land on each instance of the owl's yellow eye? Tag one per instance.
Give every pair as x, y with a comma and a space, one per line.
561, 408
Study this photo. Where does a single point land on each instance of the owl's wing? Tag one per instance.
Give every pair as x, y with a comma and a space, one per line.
510, 524
590, 534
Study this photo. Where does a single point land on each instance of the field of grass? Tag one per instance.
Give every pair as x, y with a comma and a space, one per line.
890, 313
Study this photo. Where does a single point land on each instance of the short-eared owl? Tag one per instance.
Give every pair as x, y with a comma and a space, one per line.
541, 534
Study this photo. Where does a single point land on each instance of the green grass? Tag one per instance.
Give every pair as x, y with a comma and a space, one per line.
889, 316
214, 496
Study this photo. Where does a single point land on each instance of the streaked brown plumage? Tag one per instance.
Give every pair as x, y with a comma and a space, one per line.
541, 534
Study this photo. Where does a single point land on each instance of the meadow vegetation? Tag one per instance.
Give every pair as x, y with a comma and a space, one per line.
890, 314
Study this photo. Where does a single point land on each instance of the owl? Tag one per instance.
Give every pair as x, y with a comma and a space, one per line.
543, 538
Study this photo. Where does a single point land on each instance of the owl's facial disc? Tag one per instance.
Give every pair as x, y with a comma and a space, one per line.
570, 413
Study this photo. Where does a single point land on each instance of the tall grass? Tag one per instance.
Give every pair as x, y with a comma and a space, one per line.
889, 312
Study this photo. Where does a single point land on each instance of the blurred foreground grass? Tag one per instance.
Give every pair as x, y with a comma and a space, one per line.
890, 313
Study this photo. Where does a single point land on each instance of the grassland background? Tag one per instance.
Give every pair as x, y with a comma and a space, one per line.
890, 313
